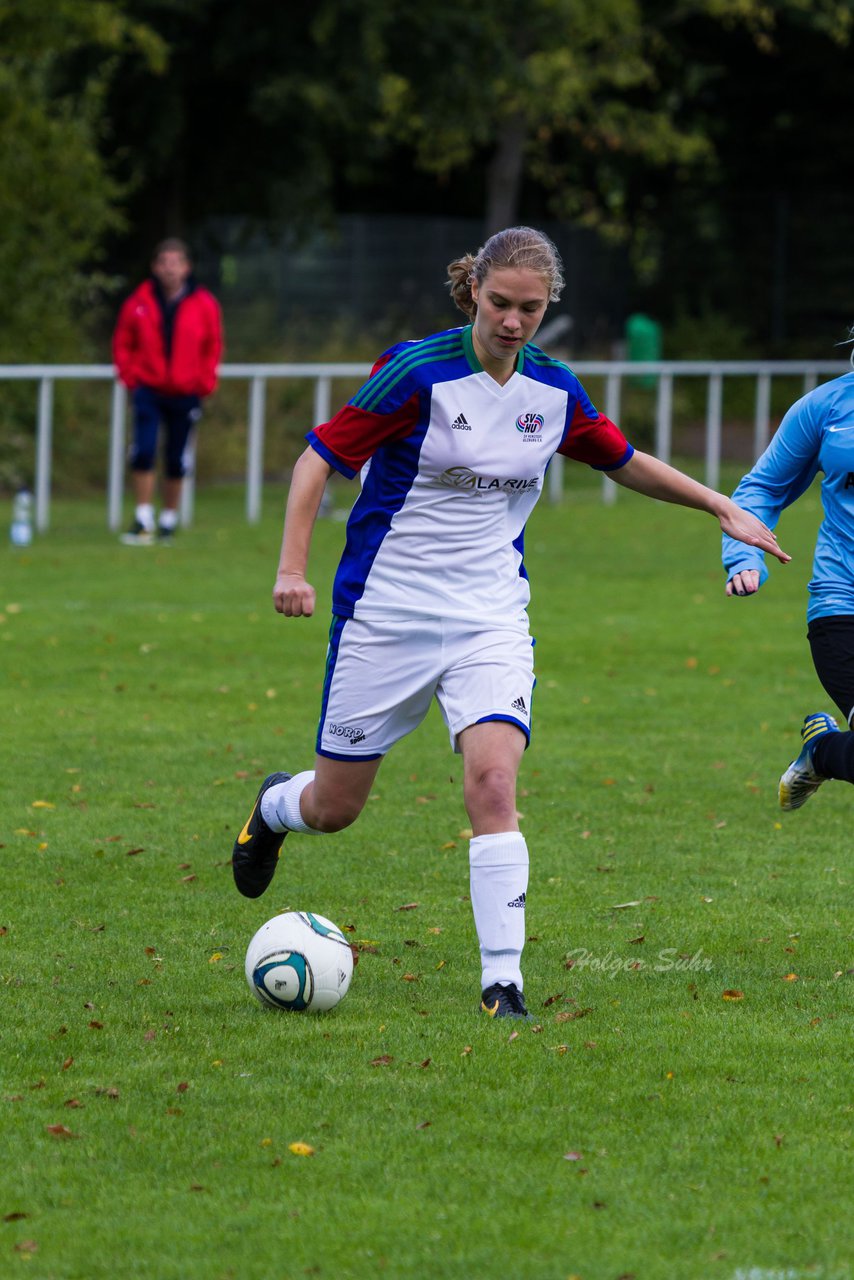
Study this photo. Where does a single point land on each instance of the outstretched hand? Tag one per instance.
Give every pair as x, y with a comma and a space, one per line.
744, 527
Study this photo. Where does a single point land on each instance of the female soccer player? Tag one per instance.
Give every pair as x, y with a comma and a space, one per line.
452, 435
816, 434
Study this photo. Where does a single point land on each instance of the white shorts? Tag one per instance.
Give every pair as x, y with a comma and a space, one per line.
382, 676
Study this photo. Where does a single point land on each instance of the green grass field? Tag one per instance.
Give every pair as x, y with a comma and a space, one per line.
682, 1106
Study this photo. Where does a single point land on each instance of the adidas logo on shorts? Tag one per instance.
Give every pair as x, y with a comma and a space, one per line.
459, 423
518, 704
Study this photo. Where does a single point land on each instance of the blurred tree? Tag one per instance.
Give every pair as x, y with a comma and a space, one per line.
288, 112
625, 115
57, 198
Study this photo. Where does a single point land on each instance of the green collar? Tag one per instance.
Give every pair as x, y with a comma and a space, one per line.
471, 354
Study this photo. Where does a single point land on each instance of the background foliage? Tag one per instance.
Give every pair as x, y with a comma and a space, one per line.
708, 136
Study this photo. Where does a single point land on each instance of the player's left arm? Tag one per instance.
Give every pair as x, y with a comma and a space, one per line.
211, 346
656, 479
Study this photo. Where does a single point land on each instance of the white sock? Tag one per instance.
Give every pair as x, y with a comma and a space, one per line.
280, 805
145, 515
499, 883
168, 519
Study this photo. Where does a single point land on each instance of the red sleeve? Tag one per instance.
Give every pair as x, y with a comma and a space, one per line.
349, 439
124, 343
597, 441
211, 352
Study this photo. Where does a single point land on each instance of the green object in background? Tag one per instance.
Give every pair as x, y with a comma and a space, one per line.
643, 342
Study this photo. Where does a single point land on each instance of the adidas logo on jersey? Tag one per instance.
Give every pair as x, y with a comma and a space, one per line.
518, 704
459, 423
517, 902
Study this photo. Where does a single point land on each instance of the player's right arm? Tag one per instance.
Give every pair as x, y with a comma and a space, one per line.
292, 595
124, 344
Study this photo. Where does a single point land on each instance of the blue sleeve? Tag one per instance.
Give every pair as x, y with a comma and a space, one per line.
786, 469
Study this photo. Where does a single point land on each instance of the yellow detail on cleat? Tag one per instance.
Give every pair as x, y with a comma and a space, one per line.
244, 836
486, 1009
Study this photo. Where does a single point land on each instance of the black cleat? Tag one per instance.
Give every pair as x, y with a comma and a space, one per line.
499, 1001
138, 536
256, 849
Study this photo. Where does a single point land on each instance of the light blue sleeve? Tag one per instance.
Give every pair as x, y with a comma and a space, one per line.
786, 469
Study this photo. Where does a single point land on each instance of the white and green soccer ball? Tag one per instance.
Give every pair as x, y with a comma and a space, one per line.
299, 961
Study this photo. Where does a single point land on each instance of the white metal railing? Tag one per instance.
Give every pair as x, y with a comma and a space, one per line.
258, 375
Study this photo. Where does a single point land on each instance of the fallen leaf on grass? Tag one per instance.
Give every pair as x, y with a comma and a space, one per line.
790, 977
60, 1131
408, 906
14, 1217
409, 977
514, 1035
73, 1102
182, 1087
621, 906
570, 1015
466, 1051
382, 1061
425, 1124
300, 1149
26, 1248
573, 1155
42, 804
66, 1064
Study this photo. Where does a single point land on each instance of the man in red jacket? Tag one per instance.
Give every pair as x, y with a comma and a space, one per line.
166, 346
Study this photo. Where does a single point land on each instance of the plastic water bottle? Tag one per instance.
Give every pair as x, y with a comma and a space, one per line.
21, 531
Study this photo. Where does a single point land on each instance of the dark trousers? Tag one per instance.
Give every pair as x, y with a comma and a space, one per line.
178, 414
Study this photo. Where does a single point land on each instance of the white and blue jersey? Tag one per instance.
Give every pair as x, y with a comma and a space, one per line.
452, 465
816, 435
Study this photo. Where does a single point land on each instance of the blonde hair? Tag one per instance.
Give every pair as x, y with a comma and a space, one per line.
513, 247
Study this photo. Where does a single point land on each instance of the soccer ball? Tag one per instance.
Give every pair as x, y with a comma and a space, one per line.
299, 961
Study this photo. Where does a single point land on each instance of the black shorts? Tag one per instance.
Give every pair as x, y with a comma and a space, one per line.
832, 644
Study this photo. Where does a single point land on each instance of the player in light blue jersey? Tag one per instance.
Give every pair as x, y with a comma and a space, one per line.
451, 436
816, 435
